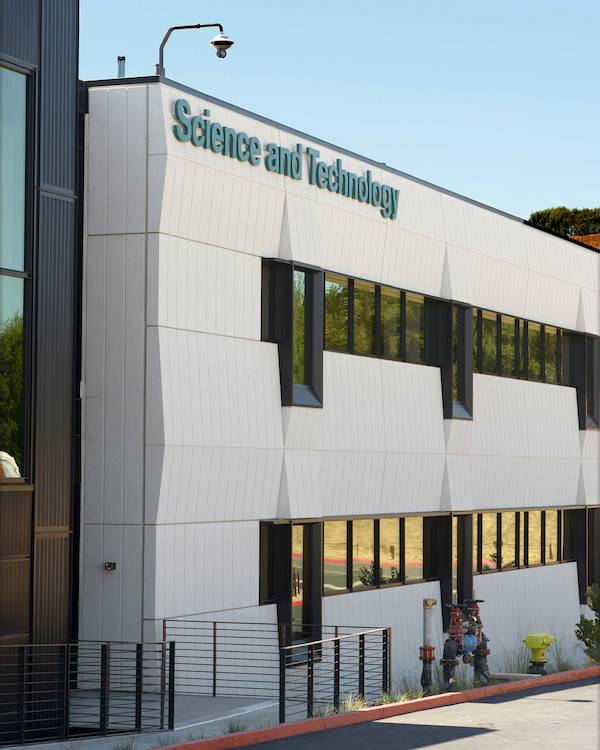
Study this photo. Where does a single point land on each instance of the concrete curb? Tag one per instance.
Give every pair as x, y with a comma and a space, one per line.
306, 726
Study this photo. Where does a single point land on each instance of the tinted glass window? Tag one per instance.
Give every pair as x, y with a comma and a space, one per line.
489, 343
364, 317
299, 327
363, 554
476, 527
336, 313
11, 376
475, 340
413, 548
297, 578
551, 349
415, 328
509, 535
535, 537
389, 550
551, 546
508, 361
521, 521
454, 559
534, 349
489, 548
334, 556
390, 323
13, 88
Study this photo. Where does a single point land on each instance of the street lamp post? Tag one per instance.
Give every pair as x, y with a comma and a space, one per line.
220, 42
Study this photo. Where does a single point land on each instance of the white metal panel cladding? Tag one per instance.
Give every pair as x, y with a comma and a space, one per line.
546, 600
187, 446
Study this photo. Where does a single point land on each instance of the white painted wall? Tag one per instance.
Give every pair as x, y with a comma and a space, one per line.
186, 444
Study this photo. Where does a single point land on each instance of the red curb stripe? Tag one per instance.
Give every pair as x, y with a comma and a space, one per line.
375, 713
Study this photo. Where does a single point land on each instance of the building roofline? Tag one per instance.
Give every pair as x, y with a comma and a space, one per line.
381, 165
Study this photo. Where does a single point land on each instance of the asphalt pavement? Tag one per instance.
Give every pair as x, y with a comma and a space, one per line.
551, 718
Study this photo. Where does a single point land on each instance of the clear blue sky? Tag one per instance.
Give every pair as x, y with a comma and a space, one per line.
496, 99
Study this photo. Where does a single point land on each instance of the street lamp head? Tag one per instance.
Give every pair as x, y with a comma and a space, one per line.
221, 43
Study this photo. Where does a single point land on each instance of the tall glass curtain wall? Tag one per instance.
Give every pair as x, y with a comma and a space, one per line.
13, 271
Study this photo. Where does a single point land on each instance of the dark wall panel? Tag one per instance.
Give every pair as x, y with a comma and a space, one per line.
51, 589
19, 29
14, 595
54, 363
58, 93
15, 524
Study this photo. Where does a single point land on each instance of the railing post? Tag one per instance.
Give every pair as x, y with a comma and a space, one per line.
66, 689
139, 684
310, 681
172, 685
214, 660
104, 686
361, 666
163, 671
336, 673
22, 659
387, 660
282, 668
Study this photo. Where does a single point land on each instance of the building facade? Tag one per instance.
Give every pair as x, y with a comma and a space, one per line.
317, 390
39, 321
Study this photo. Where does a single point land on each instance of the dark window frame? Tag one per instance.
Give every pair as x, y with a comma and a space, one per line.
27, 468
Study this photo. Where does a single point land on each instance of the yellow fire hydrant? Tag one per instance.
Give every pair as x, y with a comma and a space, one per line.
538, 643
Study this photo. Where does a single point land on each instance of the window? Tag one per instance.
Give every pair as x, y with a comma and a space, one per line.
13, 271
489, 343
364, 317
413, 548
508, 357
415, 328
522, 348
508, 549
454, 573
552, 537
389, 551
534, 537
363, 554
534, 350
13, 114
391, 321
592, 387
335, 551
551, 354
476, 542
476, 340
297, 579
299, 360
489, 544
522, 520
336, 313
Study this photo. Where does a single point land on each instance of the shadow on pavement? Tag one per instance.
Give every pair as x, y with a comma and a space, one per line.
540, 691
377, 736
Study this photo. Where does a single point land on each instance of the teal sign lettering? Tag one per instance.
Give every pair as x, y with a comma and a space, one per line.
203, 133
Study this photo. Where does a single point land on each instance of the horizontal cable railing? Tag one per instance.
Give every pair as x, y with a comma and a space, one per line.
311, 672
61, 691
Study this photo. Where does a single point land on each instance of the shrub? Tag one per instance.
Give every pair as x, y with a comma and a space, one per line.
588, 631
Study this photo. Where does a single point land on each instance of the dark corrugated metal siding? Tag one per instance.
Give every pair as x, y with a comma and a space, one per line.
54, 350
58, 94
19, 25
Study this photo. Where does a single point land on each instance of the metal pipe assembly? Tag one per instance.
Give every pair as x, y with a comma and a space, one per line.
427, 650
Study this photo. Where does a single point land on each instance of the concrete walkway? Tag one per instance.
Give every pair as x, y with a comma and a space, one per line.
551, 718
196, 717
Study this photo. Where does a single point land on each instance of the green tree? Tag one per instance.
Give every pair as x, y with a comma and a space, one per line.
567, 221
588, 631
11, 387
